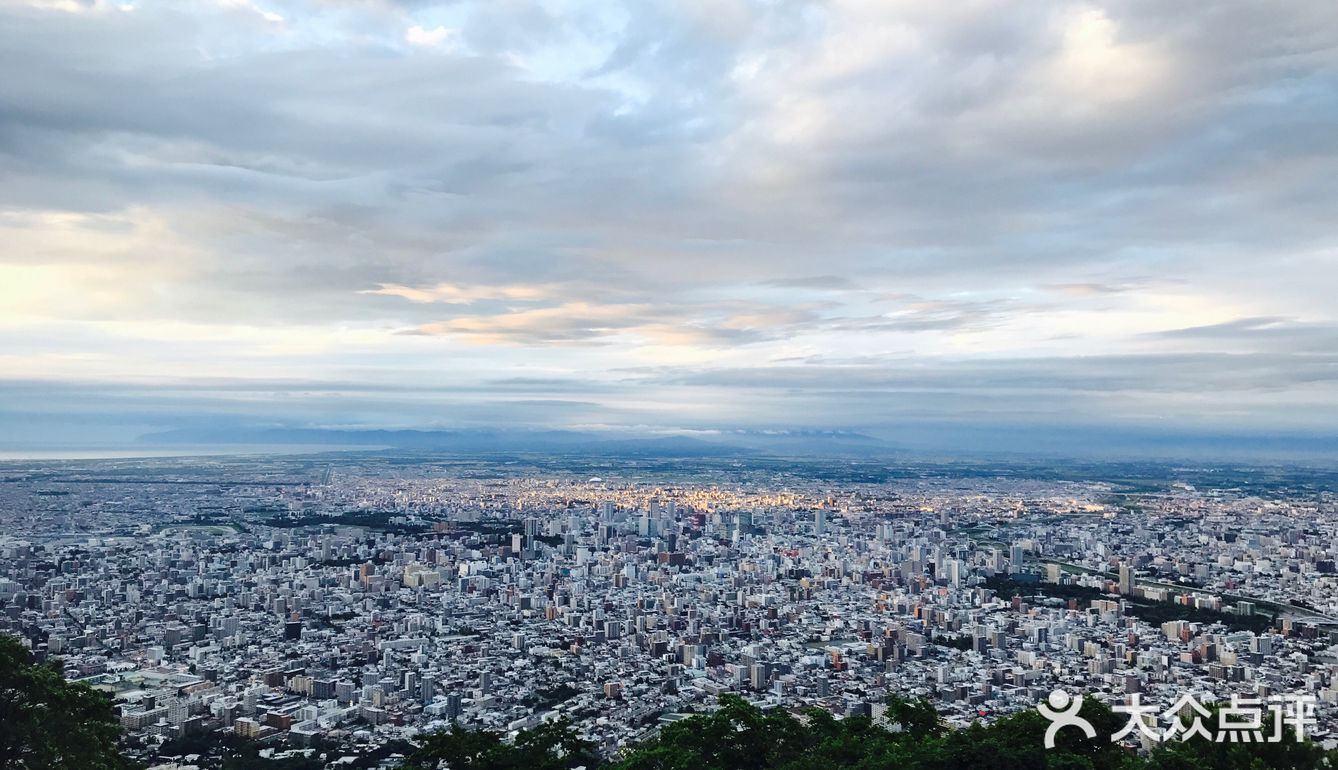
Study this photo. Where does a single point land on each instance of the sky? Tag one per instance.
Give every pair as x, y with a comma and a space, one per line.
680, 217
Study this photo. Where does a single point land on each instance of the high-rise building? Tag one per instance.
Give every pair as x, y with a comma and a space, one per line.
344, 692
760, 674
1016, 557
1126, 579
953, 572
453, 706
427, 688
743, 522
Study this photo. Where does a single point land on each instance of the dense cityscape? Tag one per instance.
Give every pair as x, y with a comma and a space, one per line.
668, 385
349, 603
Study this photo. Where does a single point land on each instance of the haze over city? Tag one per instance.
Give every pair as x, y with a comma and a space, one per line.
956, 226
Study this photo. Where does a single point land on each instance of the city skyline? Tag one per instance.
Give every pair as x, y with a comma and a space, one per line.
986, 226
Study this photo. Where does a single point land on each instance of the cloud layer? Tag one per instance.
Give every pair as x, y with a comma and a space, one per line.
661, 216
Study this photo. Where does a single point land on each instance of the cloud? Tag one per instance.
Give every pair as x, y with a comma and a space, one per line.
817, 282
251, 7
1088, 289
368, 190
919, 314
1278, 335
575, 322
457, 295
1163, 373
1231, 328
589, 323
417, 35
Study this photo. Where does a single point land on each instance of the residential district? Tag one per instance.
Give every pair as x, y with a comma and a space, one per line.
359, 601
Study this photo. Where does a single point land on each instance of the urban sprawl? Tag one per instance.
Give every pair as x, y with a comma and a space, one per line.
364, 600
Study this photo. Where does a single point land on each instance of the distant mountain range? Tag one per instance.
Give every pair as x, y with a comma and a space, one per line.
574, 442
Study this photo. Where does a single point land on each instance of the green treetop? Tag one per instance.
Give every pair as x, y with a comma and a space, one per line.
47, 723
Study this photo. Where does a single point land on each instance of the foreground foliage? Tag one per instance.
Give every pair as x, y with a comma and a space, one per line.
740, 736
552, 746
47, 723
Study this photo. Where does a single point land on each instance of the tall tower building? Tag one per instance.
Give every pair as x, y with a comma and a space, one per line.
1126, 579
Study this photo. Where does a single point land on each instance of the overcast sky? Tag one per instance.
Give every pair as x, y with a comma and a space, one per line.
685, 215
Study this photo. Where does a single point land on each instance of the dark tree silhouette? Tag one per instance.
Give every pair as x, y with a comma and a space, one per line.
740, 735
47, 723
551, 746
